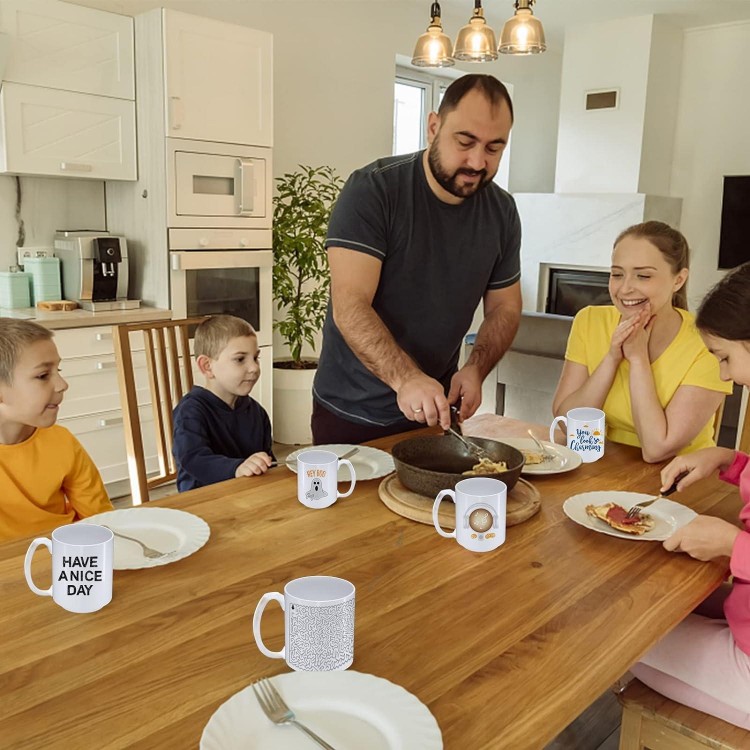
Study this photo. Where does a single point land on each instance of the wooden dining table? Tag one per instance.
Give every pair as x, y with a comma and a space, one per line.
505, 648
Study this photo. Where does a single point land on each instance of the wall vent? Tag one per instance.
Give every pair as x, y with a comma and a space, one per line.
602, 99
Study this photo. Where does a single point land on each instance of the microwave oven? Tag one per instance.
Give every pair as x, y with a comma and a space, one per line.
219, 185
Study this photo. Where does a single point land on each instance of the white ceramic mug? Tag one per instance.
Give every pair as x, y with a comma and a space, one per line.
317, 478
318, 624
584, 432
480, 513
82, 557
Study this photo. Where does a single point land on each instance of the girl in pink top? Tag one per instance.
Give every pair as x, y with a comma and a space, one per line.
705, 661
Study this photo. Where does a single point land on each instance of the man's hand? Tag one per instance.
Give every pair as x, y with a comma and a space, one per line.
421, 399
466, 388
704, 538
256, 464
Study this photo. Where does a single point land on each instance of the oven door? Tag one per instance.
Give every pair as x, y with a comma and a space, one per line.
233, 282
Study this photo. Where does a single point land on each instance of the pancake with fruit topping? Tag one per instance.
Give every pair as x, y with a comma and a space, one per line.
617, 517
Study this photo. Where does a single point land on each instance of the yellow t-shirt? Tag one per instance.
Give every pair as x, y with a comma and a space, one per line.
686, 361
47, 481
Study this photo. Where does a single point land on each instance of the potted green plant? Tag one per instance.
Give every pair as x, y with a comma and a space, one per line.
302, 207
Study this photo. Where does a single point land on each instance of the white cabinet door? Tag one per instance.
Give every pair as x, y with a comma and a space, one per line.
49, 132
219, 81
63, 46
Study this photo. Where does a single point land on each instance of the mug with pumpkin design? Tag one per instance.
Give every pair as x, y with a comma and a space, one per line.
584, 432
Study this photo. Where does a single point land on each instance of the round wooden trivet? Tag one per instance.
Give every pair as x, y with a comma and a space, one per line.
523, 502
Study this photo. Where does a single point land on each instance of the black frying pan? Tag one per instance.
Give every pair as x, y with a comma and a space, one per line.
427, 465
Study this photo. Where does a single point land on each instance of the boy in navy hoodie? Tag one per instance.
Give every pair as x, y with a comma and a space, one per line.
221, 432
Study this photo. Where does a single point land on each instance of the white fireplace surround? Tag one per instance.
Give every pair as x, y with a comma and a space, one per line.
577, 231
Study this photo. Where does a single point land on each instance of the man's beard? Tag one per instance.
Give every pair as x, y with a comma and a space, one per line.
449, 182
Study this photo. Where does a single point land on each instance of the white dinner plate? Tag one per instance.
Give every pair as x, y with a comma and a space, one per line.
668, 515
164, 529
565, 458
347, 709
368, 462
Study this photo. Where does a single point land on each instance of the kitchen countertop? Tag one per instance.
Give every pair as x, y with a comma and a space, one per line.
80, 318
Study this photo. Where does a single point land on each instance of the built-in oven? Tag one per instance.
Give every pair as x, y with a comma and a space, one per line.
219, 272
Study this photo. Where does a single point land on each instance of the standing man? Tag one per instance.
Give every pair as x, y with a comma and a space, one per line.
414, 243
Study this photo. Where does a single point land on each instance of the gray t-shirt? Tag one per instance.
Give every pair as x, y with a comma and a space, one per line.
438, 261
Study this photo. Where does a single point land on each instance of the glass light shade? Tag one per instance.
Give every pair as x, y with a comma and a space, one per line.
433, 49
522, 35
475, 41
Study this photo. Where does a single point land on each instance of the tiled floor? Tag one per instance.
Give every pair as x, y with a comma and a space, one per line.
597, 728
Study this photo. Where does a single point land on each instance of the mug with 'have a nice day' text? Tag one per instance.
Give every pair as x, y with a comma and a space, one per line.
317, 478
318, 623
82, 558
584, 432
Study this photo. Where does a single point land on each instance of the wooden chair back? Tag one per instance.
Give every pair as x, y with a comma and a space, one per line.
170, 377
743, 429
649, 720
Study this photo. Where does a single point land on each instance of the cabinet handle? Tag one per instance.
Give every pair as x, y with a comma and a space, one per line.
105, 365
175, 112
70, 166
110, 422
244, 186
103, 336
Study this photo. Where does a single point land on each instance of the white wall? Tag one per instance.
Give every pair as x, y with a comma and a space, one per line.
711, 138
48, 204
599, 151
662, 99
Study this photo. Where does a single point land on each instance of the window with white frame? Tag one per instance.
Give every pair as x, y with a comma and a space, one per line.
416, 94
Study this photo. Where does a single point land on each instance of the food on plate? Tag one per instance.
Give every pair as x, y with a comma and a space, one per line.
532, 457
617, 517
486, 466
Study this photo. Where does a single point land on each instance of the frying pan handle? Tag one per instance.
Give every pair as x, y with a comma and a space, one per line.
436, 510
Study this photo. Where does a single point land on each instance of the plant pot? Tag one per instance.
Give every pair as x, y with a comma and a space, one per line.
292, 405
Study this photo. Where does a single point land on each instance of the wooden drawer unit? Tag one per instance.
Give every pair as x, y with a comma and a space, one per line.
102, 436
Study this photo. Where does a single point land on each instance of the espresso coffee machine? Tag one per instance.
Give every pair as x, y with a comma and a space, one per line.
94, 270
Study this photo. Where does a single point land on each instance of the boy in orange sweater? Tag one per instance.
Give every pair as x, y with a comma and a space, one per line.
46, 477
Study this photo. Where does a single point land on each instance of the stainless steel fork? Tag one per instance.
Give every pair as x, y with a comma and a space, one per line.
148, 552
278, 712
636, 509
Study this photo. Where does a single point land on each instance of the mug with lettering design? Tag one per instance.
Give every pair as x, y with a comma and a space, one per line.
318, 624
82, 557
480, 513
584, 432
317, 478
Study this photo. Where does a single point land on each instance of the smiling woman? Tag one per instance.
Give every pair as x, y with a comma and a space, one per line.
641, 359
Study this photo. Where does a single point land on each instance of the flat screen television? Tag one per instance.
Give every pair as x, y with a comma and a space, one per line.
734, 242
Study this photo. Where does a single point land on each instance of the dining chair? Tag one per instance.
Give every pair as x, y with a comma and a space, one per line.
743, 429
649, 720
718, 415
165, 347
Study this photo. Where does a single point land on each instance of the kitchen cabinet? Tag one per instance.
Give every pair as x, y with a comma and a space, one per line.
61, 133
218, 80
62, 46
67, 102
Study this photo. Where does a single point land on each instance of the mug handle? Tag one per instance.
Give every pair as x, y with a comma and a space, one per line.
552, 429
436, 509
348, 463
256, 624
27, 565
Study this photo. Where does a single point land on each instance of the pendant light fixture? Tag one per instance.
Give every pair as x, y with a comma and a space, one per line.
476, 41
433, 49
523, 34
